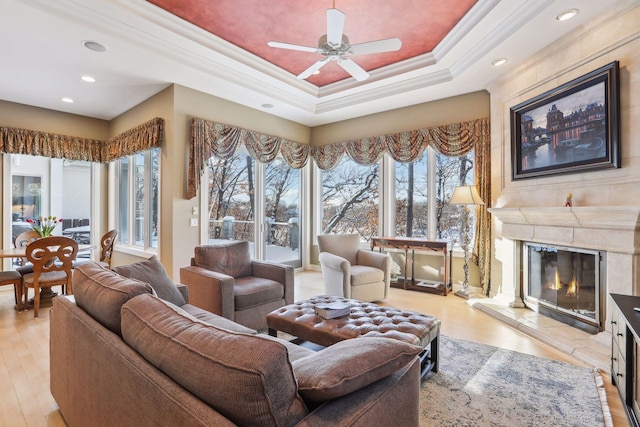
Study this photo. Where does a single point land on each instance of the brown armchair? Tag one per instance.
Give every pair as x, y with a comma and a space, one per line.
351, 272
224, 280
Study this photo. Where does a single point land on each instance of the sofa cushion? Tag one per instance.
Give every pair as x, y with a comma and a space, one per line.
102, 292
215, 320
230, 258
246, 378
364, 275
251, 291
350, 365
151, 271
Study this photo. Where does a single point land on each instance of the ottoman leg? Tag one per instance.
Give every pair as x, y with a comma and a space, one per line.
435, 347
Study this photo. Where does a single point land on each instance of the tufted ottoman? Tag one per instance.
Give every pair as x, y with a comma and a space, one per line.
366, 320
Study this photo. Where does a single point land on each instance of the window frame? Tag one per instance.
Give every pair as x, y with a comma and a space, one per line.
130, 245
387, 194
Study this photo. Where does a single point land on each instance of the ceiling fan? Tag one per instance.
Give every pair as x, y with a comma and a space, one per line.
334, 46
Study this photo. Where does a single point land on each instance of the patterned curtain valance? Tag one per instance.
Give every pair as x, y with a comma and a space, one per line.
143, 137
46, 144
215, 139
36, 143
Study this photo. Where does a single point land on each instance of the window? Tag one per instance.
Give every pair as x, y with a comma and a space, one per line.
231, 197
450, 173
417, 201
282, 209
239, 187
138, 199
350, 199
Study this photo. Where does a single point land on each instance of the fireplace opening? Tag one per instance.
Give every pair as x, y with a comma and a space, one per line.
565, 284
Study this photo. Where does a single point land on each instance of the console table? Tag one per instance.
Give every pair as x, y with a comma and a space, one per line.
412, 244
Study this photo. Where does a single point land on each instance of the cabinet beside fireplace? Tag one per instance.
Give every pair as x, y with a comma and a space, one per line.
625, 353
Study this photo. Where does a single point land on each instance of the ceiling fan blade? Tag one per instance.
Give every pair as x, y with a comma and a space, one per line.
335, 27
386, 45
315, 67
292, 47
354, 69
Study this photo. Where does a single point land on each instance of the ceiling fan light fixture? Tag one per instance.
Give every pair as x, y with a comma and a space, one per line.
335, 46
567, 14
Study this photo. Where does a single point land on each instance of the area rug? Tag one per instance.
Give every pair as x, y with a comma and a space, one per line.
480, 385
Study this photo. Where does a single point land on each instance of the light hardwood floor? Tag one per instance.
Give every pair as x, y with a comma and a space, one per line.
24, 348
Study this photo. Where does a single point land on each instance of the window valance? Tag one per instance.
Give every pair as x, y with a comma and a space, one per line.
143, 137
216, 139
36, 143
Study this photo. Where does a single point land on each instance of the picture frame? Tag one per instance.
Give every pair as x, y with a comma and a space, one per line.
572, 128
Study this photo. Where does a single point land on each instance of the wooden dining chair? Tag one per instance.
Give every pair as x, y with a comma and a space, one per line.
14, 278
106, 245
52, 258
22, 241
106, 248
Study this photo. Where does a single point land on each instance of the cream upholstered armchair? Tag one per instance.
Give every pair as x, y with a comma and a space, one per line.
224, 280
352, 272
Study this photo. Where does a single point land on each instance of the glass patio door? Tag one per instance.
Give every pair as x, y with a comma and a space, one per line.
255, 202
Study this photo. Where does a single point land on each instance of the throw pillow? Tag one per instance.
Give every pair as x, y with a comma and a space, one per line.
101, 293
246, 378
152, 272
350, 365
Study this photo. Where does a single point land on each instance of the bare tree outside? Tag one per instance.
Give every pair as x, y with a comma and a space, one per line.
350, 199
231, 192
281, 203
412, 198
450, 173
231, 208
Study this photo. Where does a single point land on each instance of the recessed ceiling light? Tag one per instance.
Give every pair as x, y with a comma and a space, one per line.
94, 46
500, 61
567, 14
267, 105
88, 79
67, 100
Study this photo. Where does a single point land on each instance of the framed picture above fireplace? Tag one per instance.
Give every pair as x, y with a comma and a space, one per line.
572, 128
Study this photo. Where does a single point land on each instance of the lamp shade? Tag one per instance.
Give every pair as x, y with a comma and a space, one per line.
465, 195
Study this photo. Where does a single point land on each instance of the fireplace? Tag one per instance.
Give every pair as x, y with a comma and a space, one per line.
610, 230
565, 283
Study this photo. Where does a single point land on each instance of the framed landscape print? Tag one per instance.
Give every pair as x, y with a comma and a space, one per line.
573, 128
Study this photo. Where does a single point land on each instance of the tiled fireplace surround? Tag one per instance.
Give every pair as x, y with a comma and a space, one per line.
614, 229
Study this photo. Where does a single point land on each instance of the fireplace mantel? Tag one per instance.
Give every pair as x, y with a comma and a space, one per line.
614, 229
610, 228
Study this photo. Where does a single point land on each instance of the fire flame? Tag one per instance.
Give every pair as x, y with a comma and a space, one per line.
572, 287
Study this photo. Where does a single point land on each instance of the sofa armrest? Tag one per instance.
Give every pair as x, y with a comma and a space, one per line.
280, 273
209, 290
184, 291
394, 400
336, 274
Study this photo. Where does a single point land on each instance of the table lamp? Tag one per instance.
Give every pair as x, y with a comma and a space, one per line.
465, 195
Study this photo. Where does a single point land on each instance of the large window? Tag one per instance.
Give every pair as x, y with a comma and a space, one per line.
415, 203
350, 199
245, 196
138, 202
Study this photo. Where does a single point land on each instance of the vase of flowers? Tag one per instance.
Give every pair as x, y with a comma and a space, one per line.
45, 225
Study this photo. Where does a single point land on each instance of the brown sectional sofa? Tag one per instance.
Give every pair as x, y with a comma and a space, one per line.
122, 356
